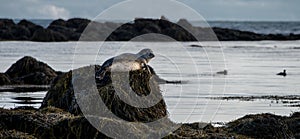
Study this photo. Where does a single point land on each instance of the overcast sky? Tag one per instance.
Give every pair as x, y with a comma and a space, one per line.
243, 10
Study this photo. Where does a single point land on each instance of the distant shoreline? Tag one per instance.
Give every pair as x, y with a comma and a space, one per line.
71, 30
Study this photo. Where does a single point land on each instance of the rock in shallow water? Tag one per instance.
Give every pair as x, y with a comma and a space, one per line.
61, 94
46, 123
261, 126
29, 70
4, 79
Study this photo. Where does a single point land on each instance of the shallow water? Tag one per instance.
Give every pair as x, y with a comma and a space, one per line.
252, 68
11, 99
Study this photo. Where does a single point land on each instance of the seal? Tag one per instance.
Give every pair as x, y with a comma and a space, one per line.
126, 62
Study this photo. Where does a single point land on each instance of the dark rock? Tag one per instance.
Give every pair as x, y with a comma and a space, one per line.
67, 32
58, 22
30, 26
129, 31
20, 32
293, 123
30, 71
14, 134
6, 35
36, 78
5, 29
4, 79
26, 23
232, 35
72, 29
61, 94
46, 35
78, 24
5, 23
46, 124
54, 123
51, 122
261, 126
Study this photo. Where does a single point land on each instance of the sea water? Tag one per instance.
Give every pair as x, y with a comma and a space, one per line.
251, 66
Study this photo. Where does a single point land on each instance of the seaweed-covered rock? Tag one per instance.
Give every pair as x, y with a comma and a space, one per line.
36, 78
293, 123
45, 123
28, 70
14, 134
261, 126
61, 94
4, 79
52, 122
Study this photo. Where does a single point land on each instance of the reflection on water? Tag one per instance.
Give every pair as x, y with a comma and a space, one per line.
27, 100
13, 99
251, 66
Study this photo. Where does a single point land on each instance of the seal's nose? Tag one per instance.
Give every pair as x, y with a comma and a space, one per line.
151, 55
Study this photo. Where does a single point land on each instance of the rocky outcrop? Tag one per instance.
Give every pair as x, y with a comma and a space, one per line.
262, 126
45, 123
47, 35
24, 30
72, 29
5, 29
140, 27
28, 71
61, 94
52, 122
250, 126
30, 26
58, 30
14, 134
4, 79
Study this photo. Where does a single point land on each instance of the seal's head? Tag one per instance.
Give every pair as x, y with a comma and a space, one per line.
146, 54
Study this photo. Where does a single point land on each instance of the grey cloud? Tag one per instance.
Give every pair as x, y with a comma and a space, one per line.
210, 9
247, 9
32, 9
